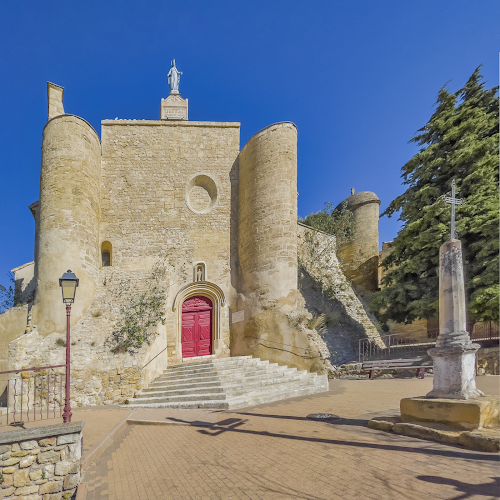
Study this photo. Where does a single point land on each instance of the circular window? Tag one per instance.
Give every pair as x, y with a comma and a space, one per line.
201, 194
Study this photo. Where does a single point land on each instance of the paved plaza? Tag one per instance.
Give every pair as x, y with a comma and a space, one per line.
274, 452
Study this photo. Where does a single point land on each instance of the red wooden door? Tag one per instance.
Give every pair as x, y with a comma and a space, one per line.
196, 327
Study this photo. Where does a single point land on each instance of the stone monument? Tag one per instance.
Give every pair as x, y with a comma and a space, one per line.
454, 399
454, 355
174, 107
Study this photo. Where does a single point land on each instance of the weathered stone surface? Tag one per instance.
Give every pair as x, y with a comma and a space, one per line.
69, 494
51, 487
48, 470
66, 467
21, 477
9, 461
9, 470
8, 480
21, 453
35, 474
26, 462
74, 451
71, 481
39, 433
419, 431
7, 492
481, 441
27, 490
4, 448
49, 456
381, 425
47, 442
68, 438
29, 445
461, 414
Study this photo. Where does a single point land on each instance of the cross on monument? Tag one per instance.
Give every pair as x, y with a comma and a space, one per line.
453, 201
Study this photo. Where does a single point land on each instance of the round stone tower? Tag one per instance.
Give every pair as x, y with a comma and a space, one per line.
267, 247
268, 211
359, 257
69, 216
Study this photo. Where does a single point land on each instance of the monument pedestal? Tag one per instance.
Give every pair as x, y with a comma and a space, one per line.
454, 372
459, 414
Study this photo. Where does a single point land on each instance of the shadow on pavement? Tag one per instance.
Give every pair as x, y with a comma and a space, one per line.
468, 490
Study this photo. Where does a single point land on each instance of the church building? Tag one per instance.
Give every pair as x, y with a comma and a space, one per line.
170, 224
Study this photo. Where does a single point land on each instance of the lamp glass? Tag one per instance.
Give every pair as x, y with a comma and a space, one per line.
68, 290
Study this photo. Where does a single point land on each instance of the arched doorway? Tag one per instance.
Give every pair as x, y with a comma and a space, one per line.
196, 333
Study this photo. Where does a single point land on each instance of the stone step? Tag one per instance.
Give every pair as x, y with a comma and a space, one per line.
238, 377
180, 398
227, 383
219, 373
213, 362
229, 388
157, 386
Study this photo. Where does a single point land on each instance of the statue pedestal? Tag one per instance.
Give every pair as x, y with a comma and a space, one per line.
174, 107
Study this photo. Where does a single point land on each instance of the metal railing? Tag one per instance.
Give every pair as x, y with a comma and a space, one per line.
32, 394
401, 345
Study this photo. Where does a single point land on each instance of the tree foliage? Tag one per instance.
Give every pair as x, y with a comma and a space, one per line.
459, 142
7, 294
339, 222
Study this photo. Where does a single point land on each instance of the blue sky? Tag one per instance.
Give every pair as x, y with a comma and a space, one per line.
358, 78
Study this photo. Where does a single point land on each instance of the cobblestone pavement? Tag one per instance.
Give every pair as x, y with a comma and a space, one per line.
274, 452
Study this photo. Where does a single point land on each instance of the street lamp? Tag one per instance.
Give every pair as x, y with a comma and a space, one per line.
68, 283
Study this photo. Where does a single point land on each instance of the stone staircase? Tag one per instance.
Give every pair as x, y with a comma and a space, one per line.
227, 383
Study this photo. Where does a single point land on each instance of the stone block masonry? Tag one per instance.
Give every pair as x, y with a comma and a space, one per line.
41, 462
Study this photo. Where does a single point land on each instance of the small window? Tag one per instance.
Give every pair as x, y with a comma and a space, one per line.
106, 254
199, 271
106, 258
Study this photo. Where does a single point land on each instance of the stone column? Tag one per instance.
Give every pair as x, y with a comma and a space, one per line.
454, 355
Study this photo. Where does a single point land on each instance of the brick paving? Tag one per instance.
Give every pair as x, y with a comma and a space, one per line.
274, 452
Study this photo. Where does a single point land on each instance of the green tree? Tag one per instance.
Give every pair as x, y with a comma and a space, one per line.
459, 142
7, 294
339, 222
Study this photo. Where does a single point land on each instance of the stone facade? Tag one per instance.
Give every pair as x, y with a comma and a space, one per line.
171, 207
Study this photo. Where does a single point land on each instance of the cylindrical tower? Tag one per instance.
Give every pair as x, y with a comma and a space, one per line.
359, 257
268, 211
68, 219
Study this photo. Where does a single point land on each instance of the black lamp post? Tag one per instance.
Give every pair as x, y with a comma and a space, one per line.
68, 283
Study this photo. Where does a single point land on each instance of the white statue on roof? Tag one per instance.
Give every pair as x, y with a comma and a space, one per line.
174, 77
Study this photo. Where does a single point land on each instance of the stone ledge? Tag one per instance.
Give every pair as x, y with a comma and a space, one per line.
173, 123
41, 432
487, 440
460, 414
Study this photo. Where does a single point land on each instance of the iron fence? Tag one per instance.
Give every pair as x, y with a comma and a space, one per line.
400, 345
32, 394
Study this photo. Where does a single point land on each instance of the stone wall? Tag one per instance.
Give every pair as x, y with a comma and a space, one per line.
317, 255
41, 462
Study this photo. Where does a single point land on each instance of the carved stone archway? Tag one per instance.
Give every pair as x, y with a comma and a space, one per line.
206, 289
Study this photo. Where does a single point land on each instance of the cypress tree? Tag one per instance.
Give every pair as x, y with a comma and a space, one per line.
459, 142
